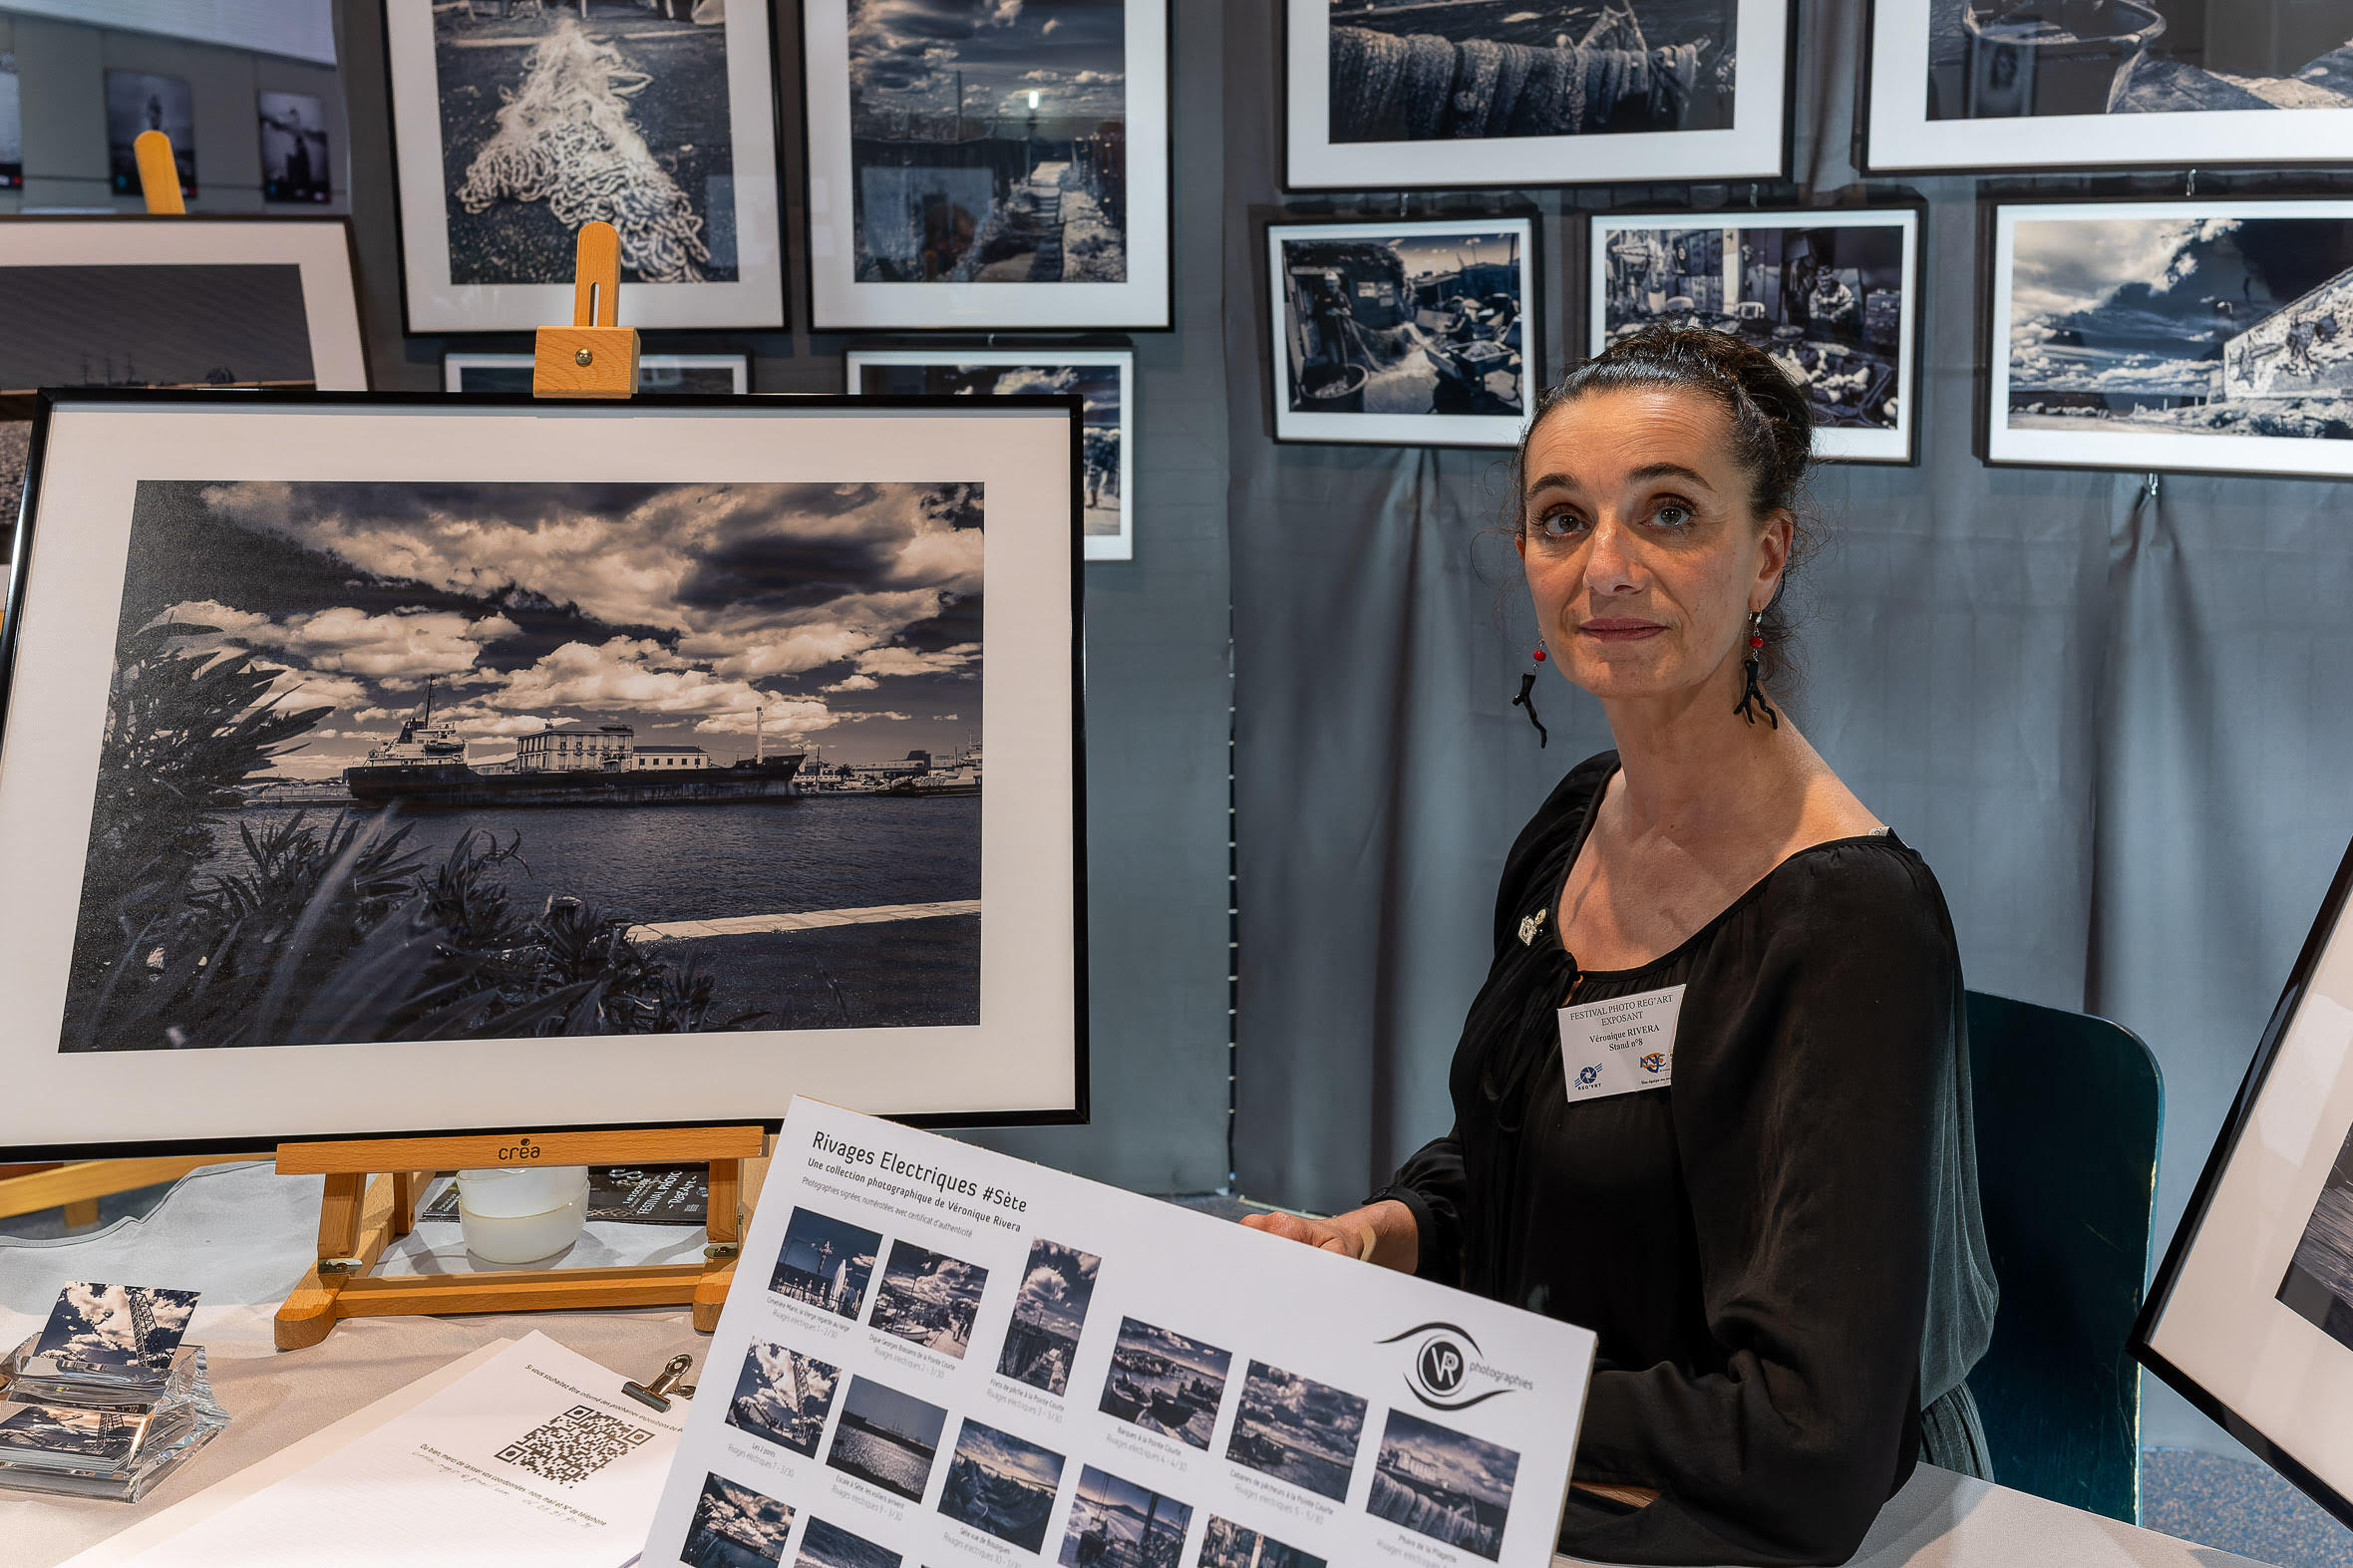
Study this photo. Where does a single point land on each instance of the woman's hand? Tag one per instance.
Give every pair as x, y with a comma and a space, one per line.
1382, 1233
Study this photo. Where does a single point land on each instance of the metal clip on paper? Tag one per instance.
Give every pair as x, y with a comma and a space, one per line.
159, 174
595, 356
657, 1394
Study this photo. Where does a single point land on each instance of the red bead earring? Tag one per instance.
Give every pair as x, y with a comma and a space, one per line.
1755, 693
1526, 700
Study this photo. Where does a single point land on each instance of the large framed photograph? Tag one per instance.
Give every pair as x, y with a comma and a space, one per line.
707, 375
2250, 1317
1982, 85
1104, 378
1418, 334
1833, 296
513, 124
980, 165
397, 764
2173, 335
1387, 94
176, 302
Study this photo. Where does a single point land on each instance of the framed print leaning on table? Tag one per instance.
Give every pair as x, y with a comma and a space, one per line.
513, 126
1832, 295
986, 166
1105, 378
1419, 334
1966, 84
1380, 95
396, 763
2193, 335
2252, 1316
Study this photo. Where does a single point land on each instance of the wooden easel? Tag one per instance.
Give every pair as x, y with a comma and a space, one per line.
373, 1186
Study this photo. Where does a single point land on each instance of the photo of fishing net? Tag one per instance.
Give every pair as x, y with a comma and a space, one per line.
555, 116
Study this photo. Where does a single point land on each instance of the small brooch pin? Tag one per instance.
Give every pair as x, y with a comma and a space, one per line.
1530, 925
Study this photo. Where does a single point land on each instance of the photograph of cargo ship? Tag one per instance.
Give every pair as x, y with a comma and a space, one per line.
1165, 1382
1102, 378
1226, 1544
2120, 81
1414, 333
999, 1483
1503, 93
825, 1262
929, 1299
827, 1545
1443, 1484
1297, 1430
887, 1437
1041, 1341
1118, 1524
2179, 335
782, 1395
1832, 296
735, 1527
541, 746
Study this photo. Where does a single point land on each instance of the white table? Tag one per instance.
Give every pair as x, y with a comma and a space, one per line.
242, 1236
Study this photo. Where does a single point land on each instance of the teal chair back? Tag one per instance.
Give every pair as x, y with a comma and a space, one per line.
2067, 1109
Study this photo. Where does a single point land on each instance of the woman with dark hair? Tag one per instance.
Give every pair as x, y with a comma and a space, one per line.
1712, 1101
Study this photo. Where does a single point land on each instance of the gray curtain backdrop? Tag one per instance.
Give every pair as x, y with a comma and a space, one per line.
2115, 721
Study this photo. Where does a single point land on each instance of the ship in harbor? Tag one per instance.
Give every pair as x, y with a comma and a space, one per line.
579, 765
918, 772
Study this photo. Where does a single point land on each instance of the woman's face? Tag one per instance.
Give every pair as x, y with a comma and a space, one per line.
1642, 554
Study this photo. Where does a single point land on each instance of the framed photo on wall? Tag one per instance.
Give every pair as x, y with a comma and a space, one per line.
294, 165
706, 375
1833, 296
1380, 95
513, 126
1406, 333
979, 165
2196, 336
1966, 84
137, 102
2250, 1317
557, 764
1105, 378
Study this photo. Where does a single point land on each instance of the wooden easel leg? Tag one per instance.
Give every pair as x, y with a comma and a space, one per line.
355, 1222
723, 1227
408, 1189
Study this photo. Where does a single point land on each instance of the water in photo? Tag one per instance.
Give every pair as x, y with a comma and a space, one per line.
999, 1483
1297, 1430
782, 1395
887, 1437
825, 1262
929, 1299
735, 1527
1226, 1544
827, 1545
1165, 1382
1043, 1339
1119, 1524
1443, 1484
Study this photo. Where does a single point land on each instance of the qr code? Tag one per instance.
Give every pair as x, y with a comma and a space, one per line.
575, 1445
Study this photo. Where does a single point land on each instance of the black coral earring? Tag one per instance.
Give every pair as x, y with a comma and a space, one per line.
1528, 700
1752, 700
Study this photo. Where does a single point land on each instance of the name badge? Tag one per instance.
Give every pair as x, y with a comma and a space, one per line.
1622, 1046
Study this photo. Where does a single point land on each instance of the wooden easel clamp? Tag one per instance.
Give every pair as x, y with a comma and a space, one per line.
159, 174
595, 356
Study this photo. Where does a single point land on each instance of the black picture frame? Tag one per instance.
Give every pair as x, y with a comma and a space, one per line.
12, 616
1382, 174
1276, 226
2178, 1252
918, 324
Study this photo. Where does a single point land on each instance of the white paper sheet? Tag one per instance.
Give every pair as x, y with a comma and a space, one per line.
938, 1355
535, 1460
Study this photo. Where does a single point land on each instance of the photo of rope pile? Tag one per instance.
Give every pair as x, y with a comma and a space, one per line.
555, 116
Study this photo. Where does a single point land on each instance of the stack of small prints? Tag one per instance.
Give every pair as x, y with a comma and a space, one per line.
105, 1401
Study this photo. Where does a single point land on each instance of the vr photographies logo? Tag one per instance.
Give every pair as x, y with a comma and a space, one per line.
1444, 1368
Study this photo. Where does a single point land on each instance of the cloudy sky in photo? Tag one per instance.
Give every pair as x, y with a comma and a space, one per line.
1325, 1416
1055, 1292
743, 1514
904, 54
94, 1325
1466, 1464
1144, 1338
917, 1275
993, 1450
849, 614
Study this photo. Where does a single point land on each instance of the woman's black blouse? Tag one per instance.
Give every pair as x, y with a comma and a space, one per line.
1751, 1244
